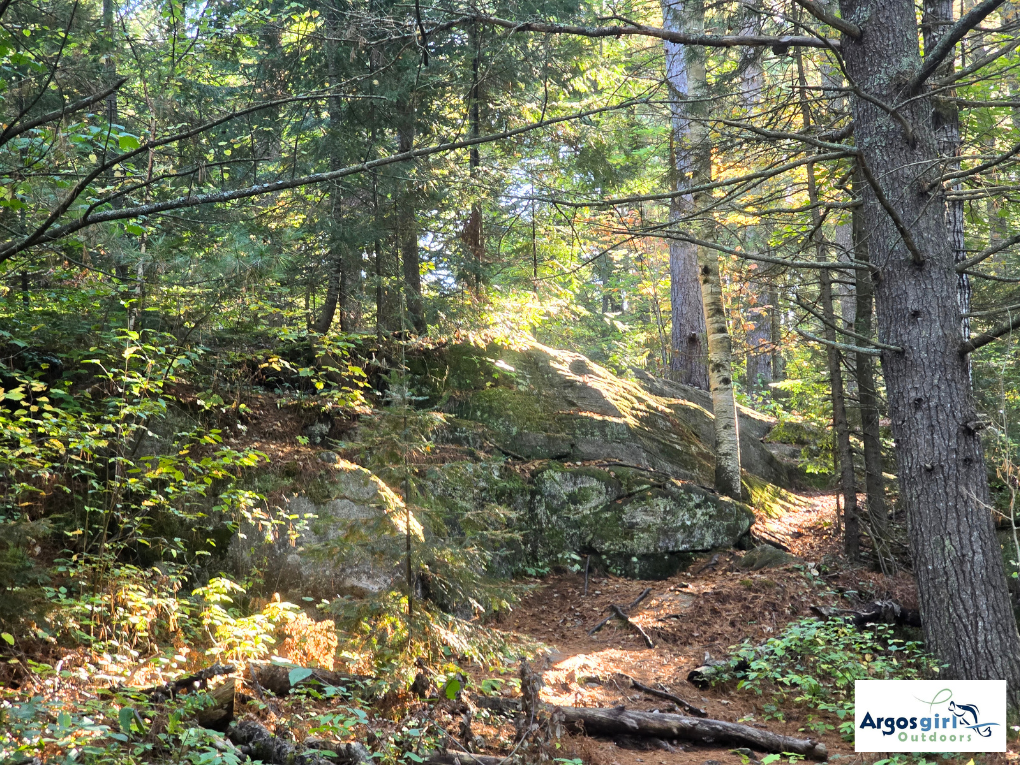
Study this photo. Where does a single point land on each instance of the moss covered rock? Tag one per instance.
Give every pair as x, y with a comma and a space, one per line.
535, 403
638, 525
343, 537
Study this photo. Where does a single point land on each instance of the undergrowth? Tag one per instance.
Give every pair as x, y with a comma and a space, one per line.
815, 663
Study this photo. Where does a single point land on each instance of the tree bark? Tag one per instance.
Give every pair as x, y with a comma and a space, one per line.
407, 231
473, 230
936, 20
759, 340
343, 290
688, 336
612, 722
720, 378
968, 620
778, 365
685, 72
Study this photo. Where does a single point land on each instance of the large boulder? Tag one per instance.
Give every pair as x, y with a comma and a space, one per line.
343, 536
639, 525
533, 402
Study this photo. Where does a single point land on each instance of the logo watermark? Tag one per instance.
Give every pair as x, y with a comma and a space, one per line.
930, 715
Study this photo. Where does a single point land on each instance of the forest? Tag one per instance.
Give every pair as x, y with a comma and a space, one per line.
508, 381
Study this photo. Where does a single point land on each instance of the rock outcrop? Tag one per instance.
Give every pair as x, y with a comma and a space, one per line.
565, 457
532, 403
343, 536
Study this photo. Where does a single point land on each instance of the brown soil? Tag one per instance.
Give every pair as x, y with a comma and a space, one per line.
704, 611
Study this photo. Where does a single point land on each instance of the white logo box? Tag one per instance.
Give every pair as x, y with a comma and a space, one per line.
930, 715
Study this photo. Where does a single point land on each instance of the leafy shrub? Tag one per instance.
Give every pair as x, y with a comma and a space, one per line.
817, 663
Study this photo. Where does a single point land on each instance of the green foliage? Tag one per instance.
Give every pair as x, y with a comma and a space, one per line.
816, 662
236, 637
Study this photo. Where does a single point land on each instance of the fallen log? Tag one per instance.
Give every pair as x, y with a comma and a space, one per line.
463, 758
685, 705
276, 678
219, 716
876, 612
613, 722
196, 682
254, 740
701, 677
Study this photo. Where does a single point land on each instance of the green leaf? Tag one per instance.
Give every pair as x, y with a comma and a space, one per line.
8, 637
297, 675
452, 688
128, 142
134, 228
126, 716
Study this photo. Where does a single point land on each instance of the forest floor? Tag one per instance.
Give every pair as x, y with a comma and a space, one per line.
703, 611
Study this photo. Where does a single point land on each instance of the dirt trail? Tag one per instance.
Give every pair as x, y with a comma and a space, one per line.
705, 610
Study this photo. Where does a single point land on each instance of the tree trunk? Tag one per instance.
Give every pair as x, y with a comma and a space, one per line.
688, 359
473, 232
778, 367
720, 378
685, 72
407, 231
759, 340
936, 20
968, 620
864, 368
687, 362
325, 318
343, 291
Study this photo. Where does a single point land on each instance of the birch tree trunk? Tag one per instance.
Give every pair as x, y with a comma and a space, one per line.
965, 607
685, 70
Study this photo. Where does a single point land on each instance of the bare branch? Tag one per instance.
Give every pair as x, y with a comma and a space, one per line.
843, 331
985, 254
844, 26
43, 234
840, 266
994, 311
840, 346
908, 240
940, 52
15, 128
772, 172
979, 63
681, 38
979, 341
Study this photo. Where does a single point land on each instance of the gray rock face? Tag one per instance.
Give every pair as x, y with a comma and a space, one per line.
539, 403
558, 455
642, 526
345, 541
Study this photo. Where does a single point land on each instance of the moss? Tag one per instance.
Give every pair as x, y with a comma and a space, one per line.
508, 412
764, 556
770, 500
